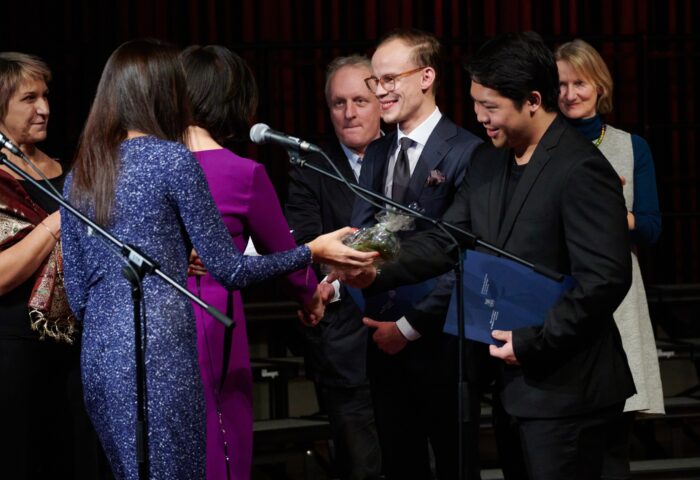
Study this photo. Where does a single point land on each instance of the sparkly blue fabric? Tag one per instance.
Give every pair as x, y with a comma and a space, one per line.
161, 193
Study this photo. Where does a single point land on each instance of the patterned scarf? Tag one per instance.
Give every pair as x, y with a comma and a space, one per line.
49, 311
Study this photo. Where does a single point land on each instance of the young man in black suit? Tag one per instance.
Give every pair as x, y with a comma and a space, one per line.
412, 365
549, 196
336, 349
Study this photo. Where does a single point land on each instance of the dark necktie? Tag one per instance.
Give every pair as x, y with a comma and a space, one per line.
402, 171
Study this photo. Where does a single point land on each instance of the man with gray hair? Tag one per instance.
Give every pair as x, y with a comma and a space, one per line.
336, 349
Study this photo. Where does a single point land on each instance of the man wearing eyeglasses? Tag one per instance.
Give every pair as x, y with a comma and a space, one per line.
412, 365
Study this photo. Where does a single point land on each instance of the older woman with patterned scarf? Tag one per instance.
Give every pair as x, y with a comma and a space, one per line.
41, 404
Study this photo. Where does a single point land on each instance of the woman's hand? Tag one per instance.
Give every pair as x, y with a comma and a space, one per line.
19, 262
53, 224
195, 266
330, 249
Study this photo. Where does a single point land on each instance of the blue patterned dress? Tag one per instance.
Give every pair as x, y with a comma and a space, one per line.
161, 198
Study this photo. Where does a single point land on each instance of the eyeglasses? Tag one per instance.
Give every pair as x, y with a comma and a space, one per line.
388, 82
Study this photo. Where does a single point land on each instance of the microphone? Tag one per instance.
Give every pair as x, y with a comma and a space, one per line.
261, 133
7, 143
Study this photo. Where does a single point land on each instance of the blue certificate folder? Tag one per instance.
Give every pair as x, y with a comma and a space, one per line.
500, 294
392, 304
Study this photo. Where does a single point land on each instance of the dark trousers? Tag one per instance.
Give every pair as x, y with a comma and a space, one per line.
46, 431
510, 452
351, 416
616, 462
409, 418
568, 447
484, 374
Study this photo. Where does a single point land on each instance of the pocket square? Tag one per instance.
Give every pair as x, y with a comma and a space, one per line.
436, 177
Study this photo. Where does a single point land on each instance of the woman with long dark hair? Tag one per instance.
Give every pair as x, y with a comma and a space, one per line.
134, 178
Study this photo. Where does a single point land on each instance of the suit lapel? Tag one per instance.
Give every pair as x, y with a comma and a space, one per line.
522, 190
433, 153
341, 161
496, 193
539, 160
385, 147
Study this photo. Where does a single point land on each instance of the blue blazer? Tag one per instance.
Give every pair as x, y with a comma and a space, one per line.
446, 155
435, 179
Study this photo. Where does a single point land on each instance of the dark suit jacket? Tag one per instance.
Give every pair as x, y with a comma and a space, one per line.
567, 214
447, 154
336, 349
448, 151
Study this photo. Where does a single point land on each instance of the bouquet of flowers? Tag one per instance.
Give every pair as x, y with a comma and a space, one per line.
381, 237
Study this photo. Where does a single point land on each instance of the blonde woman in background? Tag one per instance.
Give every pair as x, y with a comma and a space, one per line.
585, 94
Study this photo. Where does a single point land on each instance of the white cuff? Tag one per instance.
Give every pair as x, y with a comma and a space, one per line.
407, 330
336, 289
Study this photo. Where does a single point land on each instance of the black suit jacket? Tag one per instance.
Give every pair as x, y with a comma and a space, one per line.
447, 153
336, 349
567, 213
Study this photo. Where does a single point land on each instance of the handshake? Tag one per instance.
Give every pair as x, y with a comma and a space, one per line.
358, 277
329, 249
377, 243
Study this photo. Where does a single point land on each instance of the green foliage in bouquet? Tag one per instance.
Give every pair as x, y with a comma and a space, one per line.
381, 237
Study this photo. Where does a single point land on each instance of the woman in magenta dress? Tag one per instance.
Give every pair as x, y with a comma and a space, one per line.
224, 97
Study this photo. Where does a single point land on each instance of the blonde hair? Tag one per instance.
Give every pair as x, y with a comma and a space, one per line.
587, 62
427, 51
16, 68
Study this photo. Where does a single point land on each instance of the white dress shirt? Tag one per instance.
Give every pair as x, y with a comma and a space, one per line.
420, 136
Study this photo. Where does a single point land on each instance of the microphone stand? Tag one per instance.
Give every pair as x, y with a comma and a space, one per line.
137, 265
472, 242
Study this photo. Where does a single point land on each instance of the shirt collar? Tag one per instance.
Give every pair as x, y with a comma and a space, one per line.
353, 157
422, 132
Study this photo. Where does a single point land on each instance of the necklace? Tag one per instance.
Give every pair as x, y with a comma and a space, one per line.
598, 140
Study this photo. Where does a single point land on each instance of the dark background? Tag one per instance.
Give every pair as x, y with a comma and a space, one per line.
648, 45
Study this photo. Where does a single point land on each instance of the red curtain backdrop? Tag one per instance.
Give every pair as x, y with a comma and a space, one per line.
649, 46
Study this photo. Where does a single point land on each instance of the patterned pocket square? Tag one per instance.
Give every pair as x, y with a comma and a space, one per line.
436, 177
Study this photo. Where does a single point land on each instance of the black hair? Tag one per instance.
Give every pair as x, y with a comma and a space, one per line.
222, 90
142, 88
516, 64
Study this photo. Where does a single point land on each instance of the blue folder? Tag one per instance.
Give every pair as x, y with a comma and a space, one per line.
500, 294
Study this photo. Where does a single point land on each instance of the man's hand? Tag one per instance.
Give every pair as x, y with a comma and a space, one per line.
355, 277
313, 311
326, 291
506, 352
387, 336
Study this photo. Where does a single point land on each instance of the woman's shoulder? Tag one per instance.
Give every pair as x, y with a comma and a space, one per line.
224, 159
157, 152
149, 142
610, 130
226, 155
